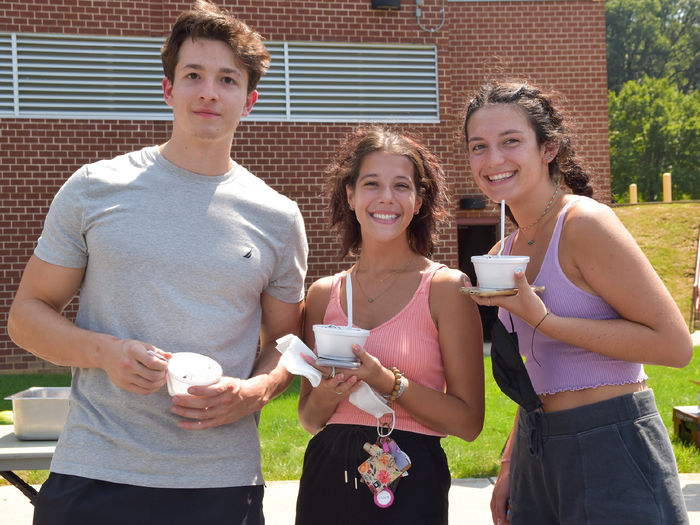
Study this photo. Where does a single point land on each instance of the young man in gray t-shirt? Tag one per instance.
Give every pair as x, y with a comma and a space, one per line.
174, 248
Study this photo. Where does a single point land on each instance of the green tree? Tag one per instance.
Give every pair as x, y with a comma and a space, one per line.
656, 38
654, 128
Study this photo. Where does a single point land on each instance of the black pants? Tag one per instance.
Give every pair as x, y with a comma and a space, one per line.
73, 500
326, 497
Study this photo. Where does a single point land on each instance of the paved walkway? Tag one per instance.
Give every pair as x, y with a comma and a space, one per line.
469, 502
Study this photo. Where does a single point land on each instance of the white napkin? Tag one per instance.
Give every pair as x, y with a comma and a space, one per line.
292, 348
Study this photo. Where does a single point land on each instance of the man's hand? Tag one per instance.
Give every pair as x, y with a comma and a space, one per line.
135, 366
232, 398
224, 402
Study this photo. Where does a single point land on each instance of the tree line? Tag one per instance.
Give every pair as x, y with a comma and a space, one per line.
653, 57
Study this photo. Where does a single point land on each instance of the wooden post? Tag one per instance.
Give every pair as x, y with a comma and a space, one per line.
633, 193
667, 187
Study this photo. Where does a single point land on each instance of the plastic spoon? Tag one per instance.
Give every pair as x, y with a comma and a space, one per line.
348, 297
503, 226
152, 352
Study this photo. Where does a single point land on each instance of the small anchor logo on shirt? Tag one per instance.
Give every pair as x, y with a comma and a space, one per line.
249, 254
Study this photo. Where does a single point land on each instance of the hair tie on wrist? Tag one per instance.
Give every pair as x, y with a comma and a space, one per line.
534, 331
541, 321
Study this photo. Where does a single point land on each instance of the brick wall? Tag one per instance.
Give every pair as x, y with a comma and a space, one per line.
555, 44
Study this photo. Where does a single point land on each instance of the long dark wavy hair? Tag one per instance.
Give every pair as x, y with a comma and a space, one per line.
547, 122
428, 176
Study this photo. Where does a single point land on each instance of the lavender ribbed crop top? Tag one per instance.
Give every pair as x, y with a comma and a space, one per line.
557, 366
408, 341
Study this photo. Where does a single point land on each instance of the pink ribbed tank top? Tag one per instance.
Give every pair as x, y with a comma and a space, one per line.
556, 366
408, 341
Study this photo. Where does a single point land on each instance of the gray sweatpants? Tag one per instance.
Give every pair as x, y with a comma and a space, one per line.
606, 463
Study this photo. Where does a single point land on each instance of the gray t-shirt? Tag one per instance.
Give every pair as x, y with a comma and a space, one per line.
178, 260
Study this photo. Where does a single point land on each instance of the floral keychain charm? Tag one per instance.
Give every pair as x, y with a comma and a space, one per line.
383, 469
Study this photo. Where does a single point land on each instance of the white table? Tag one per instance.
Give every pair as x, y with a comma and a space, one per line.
23, 455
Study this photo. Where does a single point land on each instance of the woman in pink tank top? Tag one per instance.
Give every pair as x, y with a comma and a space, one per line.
596, 450
424, 353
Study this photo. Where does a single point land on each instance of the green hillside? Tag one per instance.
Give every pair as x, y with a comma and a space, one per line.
668, 235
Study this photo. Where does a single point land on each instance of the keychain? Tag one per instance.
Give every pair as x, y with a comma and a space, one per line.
382, 471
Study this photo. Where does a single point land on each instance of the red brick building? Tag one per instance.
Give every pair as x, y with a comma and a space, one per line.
50, 124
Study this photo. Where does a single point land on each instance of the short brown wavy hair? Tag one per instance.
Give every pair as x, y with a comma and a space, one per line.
429, 180
206, 20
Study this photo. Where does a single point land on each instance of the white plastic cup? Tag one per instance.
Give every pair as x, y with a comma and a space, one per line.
335, 342
496, 272
186, 369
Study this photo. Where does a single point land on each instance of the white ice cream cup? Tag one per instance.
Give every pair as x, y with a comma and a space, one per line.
186, 369
496, 272
336, 342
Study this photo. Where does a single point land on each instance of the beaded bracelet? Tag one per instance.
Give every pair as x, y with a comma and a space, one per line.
398, 386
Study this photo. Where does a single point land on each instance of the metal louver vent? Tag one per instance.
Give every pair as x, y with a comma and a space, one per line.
68, 76
340, 82
6, 85
81, 77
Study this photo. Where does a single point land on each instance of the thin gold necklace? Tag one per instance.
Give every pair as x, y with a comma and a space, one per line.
545, 212
395, 274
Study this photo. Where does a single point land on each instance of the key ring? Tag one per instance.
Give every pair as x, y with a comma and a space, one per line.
382, 427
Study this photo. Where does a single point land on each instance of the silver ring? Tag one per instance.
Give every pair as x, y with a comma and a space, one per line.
339, 393
332, 374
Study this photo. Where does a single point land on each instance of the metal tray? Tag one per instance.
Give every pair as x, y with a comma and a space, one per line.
40, 412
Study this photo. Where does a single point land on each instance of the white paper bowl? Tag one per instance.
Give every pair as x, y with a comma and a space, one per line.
496, 272
186, 369
336, 341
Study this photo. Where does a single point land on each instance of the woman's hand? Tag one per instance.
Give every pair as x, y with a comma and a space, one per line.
333, 384
526, 304
500, 496
370, 371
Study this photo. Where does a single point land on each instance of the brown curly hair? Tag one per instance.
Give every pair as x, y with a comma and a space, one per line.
206, 20
429, 180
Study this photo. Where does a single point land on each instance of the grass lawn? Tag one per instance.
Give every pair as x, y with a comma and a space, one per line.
668, 235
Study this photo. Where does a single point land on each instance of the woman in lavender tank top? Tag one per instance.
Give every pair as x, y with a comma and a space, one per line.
596, 451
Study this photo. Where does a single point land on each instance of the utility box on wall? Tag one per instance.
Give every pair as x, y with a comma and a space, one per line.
386, 5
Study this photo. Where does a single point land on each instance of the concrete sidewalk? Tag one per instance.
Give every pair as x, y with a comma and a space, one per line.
469, 502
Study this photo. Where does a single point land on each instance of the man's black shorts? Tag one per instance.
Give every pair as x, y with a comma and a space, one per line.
72, 500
